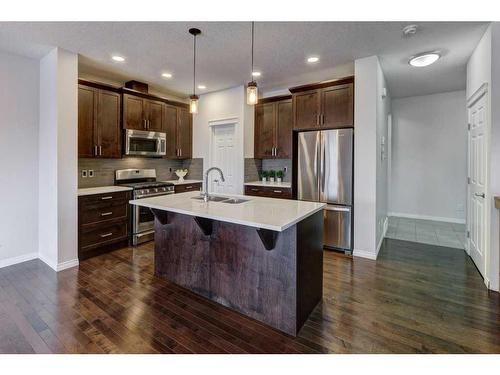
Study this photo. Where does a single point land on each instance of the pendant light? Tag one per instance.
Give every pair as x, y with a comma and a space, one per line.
252, 93
193, 99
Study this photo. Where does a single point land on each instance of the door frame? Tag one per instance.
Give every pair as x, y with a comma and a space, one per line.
478, 94
238, 144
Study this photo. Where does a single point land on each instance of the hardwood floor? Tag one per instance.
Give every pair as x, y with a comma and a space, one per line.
415, 298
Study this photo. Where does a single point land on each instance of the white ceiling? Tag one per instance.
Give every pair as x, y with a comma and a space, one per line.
280, 51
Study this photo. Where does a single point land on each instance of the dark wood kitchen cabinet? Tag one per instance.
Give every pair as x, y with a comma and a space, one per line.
142, 114
179, 128
326, 105
99, 116
103, 222
268, 191
273, 128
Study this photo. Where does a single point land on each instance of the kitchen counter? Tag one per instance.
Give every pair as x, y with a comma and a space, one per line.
286, 185
262, 258
185, 182
258, 212
102, 190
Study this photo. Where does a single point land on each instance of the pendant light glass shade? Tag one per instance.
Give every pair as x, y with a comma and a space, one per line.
193, 104
252, 93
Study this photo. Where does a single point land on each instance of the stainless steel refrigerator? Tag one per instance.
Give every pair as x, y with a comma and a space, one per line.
324, 174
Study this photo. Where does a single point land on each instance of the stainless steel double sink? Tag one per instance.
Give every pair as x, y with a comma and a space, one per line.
218, 198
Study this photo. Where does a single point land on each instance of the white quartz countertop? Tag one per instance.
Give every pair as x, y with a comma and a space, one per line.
286, 185
102, 190
266, 213
185, 182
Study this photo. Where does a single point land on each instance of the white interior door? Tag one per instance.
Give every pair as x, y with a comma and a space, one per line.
477, 187
224, 156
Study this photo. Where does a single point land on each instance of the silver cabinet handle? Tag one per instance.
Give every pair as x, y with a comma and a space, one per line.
180, 152
95, 151
106, 213
482, 195
106, 198
317, 119
188, 187
278, 191
106, 235
254, 189
144, 125
100, 150
343, 209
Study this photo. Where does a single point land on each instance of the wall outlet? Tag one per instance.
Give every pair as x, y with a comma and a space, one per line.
91, 173
84, 173
285, 169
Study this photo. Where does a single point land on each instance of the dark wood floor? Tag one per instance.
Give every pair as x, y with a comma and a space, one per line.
415, 298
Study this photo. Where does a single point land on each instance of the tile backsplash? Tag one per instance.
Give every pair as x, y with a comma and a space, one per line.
104, 169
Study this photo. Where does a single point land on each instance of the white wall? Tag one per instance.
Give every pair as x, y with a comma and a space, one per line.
19, 158
58, 159
220, 105
429, 156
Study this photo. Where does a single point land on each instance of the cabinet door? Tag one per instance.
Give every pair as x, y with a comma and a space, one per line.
170, 127
108, 124
284, 127
184, 133
87, 119
154, 116
338, 106
133, 112
306, 108
264, 130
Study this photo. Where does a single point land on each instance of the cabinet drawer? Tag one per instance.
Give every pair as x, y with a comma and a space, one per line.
187, 187
97, 200
98, 212
270, 192
103, 234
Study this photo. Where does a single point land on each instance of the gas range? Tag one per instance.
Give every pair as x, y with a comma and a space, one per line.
144, 185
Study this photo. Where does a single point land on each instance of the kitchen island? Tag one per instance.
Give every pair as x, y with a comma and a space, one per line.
262, 257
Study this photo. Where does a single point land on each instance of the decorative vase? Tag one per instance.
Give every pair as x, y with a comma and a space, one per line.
271, 179
264, 179
278, 179
181, 175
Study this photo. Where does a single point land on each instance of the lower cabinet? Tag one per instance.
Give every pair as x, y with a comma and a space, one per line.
268, 191
103, 222
187, 187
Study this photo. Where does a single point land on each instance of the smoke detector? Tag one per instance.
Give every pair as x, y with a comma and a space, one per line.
410, 30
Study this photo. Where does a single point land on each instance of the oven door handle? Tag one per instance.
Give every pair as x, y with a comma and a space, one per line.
153, 195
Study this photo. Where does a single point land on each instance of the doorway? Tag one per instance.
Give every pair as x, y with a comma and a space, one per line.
477, 202
223, 155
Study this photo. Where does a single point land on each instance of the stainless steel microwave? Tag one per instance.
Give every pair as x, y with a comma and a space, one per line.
144, 143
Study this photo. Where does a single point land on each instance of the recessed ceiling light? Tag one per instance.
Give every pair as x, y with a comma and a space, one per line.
118, 58
166, 75
312, 59
202, 87
424, 59
255, 74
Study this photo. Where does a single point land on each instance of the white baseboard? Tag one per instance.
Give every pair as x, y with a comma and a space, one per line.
384, 232
364, 254
19, 259
59, 266
426, 217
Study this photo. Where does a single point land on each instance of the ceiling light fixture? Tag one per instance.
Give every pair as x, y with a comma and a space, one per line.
166, 75
424, 59
255, 74
252, 92
118, 58
202, 87
313, 59
193, 99
410, 30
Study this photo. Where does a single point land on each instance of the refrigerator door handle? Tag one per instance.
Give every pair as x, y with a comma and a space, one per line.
321, 174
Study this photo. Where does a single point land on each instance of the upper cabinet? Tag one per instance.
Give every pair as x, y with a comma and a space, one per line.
326, 105
99, 111
273, 128
142, 114
179, 128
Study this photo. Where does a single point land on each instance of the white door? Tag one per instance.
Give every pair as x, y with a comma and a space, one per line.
224, 156
477, 165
